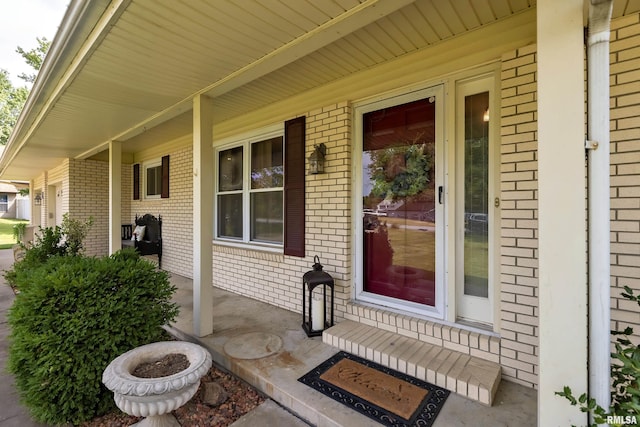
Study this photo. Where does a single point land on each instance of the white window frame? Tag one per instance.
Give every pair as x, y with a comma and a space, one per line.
4, 204
148, 165
245, 140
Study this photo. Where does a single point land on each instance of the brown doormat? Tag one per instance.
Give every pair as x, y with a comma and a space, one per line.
390, 397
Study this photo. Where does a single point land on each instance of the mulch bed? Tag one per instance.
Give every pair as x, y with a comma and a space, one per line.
242, 399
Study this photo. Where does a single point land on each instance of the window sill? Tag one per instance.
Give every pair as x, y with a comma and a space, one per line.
372, 311
250, 246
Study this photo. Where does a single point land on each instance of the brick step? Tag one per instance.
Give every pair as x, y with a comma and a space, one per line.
460, 373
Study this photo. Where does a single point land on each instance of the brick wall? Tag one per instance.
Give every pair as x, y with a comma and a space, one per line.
89, 197
328, 207
519, 210
519, 329
176, 211
85, 193
277, 279
625, 170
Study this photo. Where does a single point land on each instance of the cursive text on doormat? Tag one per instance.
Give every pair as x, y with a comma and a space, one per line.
386, 391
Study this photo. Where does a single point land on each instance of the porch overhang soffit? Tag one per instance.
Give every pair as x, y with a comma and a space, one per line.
117, 68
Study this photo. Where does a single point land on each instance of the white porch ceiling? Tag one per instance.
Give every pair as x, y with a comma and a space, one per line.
123, 66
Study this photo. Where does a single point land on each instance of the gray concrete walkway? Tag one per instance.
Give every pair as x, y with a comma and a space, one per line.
266, 346
244, 328
12, 414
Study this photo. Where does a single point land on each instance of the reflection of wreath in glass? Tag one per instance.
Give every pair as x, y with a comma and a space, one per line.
400, 171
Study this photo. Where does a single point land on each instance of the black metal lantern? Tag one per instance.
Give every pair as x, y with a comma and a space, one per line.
314, 300
38, 199
316, 159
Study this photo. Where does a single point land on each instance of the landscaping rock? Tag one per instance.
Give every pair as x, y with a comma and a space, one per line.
213, 394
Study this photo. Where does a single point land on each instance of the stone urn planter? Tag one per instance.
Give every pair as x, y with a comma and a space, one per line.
155, 397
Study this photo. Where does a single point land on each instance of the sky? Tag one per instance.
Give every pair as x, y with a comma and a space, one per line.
21, 22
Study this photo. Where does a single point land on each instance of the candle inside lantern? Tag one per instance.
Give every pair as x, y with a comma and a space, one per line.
317, 312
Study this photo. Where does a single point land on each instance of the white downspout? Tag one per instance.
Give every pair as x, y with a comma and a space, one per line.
599, 204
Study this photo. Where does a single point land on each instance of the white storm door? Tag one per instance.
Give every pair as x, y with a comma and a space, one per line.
400, 226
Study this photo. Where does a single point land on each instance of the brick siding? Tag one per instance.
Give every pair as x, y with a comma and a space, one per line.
88, 196
277, 279
176, 211
625, 171
519, 210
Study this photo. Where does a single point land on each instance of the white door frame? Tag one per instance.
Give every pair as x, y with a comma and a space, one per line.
470, 308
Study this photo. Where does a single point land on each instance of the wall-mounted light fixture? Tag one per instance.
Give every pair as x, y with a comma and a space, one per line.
485, 116
316, 159
38, 199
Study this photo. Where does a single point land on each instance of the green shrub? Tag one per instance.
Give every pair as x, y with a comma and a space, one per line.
19, 230
74, 232
66, 239
47, 244
74, 316
625, 375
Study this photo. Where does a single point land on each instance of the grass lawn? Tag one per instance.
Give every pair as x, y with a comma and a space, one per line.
6, 232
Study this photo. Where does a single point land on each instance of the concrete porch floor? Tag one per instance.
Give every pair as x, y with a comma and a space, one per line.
270, 351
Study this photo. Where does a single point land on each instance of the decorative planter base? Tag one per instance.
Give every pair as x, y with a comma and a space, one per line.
155, 398
166, 420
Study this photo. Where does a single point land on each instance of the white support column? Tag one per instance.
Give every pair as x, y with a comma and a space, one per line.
202, 215
32, 203
115, 196
561, 208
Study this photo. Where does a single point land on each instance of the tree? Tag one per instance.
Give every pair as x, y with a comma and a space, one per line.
34, 57
12, 99
11, 102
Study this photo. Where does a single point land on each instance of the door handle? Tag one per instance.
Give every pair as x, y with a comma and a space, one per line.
440, 192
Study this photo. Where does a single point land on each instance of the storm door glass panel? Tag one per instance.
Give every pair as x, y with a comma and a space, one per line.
476, 195
229, 215
267, 180
399, 202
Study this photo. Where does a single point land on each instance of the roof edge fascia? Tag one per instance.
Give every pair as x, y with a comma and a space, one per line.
68, 51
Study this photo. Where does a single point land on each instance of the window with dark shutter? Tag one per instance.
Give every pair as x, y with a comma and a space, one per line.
165, 177
136, 181
294, 200
249, 190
